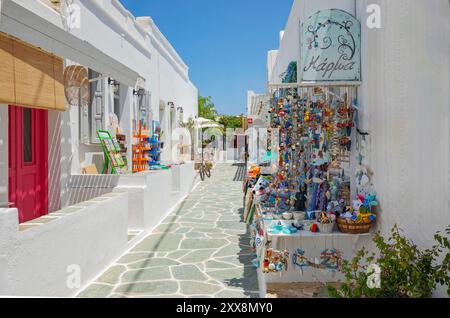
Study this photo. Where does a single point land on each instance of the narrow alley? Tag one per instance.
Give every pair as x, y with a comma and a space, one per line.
252, 150
201, 249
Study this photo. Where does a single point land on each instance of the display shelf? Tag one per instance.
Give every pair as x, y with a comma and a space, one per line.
140, 151
146, 153
154, 154
140, 160
300, 234
115, 160
303, 233
123, 150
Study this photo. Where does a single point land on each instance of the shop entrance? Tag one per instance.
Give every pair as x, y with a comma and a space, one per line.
28, 161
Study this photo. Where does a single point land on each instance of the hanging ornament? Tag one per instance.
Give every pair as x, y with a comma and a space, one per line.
275, 261
329, 259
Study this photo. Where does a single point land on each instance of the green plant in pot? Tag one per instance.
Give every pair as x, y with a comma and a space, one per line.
405, 270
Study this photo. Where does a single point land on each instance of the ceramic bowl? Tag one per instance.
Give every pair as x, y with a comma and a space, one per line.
287, 215
276, 216
299, 216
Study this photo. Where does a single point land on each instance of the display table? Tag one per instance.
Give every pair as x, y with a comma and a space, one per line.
313, 245
305, 233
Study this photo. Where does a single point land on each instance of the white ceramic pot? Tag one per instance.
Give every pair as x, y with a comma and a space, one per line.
299, 216
287, 215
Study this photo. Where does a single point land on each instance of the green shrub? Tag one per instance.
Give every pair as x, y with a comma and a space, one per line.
406, 271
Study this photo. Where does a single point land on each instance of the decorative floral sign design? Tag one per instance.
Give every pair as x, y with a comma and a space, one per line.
331, 47
329, 259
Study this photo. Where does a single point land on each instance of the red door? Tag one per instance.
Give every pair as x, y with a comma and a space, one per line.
28, 161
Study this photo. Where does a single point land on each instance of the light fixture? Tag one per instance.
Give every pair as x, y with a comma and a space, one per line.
113, 82
138, 92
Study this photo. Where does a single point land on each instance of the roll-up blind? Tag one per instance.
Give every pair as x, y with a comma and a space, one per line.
6, 70
30, 76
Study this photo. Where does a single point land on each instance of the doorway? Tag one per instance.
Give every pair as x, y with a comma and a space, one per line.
28, 161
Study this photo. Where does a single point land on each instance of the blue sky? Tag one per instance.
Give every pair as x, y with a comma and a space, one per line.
224, 42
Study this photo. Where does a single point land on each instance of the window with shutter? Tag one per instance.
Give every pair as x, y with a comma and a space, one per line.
141, 109
145, 113
84, 124
118, 108
97, 119
148, 109
180, 116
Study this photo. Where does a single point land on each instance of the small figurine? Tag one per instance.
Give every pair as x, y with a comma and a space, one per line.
300, 202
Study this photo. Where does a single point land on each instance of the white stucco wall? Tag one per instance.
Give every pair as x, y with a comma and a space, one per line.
257, 104
138, 44
404, 101
36, 262
152, 194
174, 87
110, 40
271, 61
250, 98
54, 161
133, 46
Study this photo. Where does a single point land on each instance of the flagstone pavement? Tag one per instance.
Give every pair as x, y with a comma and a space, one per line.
200, 250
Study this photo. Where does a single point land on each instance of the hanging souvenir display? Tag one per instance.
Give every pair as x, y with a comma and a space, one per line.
330, 258
314, 127
275, 261
315, 133
257, 241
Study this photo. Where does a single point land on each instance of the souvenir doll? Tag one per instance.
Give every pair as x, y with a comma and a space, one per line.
300, 199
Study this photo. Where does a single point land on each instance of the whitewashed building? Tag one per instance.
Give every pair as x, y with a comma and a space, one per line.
54, 220
404, 103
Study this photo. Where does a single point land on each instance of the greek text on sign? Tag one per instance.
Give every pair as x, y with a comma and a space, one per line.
331, 47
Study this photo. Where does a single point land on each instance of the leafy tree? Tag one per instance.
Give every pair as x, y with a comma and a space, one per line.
206, 108
229, 121
189, 124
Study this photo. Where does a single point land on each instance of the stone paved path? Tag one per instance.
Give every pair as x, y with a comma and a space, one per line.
200, 250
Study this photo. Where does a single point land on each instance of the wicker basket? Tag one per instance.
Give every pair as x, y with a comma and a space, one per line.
325, 228
352, 227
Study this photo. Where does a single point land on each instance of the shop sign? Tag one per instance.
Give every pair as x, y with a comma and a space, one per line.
331, 47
